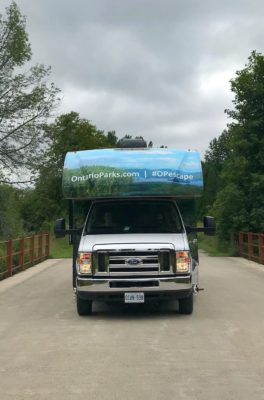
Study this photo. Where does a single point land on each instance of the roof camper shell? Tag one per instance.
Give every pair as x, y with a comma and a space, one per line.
122, 173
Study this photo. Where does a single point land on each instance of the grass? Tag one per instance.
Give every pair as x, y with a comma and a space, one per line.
212, 246
60, 248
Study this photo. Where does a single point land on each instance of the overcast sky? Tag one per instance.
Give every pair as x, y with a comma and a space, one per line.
155, 68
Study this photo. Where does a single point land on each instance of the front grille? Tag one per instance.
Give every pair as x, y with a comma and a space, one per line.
125, 263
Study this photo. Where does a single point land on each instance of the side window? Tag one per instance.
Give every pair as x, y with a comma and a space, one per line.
166, 218
176, 220
188, 209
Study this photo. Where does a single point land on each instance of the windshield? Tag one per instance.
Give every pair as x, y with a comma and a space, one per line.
134, 217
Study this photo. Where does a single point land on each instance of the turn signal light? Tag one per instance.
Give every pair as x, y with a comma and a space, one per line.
183, 262
84, 263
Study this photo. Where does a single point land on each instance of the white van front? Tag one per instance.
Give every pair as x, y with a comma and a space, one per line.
140, 253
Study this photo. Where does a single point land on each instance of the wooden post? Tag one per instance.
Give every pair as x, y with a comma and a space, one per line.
9, 257
31, 250
241, 244
40, 252
250, 245
21, 253
261, 247
47, 246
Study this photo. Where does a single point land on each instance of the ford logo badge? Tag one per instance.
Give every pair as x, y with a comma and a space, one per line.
134, 261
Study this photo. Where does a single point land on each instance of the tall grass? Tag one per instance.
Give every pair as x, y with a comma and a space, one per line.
60, 248
216, 248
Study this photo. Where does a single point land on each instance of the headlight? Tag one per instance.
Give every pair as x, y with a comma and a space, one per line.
84, 263
183, 262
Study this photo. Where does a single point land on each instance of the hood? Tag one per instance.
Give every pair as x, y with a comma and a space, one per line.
175, 241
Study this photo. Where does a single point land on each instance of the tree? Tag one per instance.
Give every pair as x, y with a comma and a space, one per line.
11, 224
112, 138
68, 132
26, 99
220, 150
240, 204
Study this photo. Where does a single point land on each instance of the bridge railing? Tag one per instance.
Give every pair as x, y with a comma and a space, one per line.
251, 246
21, 253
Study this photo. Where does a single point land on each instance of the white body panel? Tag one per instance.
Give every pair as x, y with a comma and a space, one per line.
135, 241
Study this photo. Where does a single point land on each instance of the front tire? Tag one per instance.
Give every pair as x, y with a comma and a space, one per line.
186, 305
84, 307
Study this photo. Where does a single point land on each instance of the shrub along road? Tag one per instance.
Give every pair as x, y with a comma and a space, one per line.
48, 352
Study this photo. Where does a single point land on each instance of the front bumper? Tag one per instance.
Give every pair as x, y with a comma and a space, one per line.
114, 289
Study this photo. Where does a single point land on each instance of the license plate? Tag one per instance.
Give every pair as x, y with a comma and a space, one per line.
134, 298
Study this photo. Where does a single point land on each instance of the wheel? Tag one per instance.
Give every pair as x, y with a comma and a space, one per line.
186, 305
84, 307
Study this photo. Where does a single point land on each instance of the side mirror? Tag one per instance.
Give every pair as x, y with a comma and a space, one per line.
208, 228
209, 224
59, 228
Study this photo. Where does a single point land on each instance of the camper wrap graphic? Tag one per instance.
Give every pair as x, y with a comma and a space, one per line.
122, 173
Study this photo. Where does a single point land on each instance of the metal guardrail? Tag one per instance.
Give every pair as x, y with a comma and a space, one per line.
21, 253
251, 246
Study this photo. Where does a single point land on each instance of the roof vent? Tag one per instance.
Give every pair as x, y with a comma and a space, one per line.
131, 143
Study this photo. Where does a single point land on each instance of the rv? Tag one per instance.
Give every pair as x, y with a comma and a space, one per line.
132, 223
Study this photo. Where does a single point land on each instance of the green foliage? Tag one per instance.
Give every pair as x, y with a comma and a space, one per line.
215, 247
15, 47
60, 248
219, 149
69, 132
238, 191
38, 209
112, 138
10, 220
26, 100
218, 153
230, 211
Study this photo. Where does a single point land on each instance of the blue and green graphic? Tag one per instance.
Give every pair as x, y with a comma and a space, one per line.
124, 173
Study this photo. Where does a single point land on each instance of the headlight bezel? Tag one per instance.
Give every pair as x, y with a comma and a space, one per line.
84, 263
182, 262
